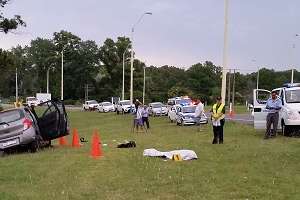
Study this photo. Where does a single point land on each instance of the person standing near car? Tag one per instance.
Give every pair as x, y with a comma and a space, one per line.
218, 121
273, 107
198, 113
145, 114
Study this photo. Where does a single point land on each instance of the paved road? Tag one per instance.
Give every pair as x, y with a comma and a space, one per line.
241, 118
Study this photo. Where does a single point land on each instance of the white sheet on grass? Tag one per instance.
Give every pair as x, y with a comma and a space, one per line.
184, 154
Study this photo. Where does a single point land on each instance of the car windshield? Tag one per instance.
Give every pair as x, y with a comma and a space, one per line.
93, 102
31, 99
190, 109
157, 105
107, 104
125, 102
292, 96
10, 116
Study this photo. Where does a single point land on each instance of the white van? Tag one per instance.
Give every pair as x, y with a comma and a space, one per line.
289, 115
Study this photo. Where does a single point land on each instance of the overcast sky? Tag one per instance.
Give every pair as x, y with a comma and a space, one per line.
179, 33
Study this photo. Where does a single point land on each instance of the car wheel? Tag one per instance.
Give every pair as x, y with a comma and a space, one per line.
285, 129
181, 123
34, 146
2, 153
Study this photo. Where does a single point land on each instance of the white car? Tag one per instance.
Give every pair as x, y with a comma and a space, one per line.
289, 115
90, 105
157, 109
106, 107
32, 101
125, 107
185, 115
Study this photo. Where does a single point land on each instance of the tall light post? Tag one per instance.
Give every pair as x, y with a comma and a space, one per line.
48, 80
62, 72
131, 58
223, 91
123, 85
293, 47
17, 96
144, 86
257, 76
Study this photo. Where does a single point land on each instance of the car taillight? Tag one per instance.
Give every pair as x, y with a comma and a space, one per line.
27, 123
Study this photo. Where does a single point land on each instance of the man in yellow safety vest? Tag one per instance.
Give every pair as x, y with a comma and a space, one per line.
218, 121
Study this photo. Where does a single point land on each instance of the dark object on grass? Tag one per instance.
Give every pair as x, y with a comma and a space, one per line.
83, 140
128, 144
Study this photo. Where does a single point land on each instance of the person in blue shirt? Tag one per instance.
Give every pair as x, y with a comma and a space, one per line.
273, 107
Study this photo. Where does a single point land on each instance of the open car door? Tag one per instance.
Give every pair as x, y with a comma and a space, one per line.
260, 98
52, 119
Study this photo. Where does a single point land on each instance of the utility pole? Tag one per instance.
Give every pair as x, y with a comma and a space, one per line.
144, 86
17, 96
229, 87
223, 91
233, 90
48, 80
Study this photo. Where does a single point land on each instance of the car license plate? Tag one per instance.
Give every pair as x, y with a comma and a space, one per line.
10, 142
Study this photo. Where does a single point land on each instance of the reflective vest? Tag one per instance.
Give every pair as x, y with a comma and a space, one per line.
217, 114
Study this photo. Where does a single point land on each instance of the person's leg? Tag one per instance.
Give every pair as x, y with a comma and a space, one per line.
221, 132
215, 130
147, 122
275, 124
269, 122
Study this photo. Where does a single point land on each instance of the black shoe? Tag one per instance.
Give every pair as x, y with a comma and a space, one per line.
221, 142
266, 137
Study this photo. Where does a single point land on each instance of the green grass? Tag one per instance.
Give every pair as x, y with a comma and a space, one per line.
245, 167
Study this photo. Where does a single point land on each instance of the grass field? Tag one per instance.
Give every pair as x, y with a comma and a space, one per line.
244, 167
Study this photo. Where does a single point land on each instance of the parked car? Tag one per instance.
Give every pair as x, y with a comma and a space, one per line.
90, 105
29, 127
125, 107
289, 115
32, 101
106, 107
185, 115
157, 109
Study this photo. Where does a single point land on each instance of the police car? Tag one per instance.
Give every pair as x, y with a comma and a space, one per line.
185, 115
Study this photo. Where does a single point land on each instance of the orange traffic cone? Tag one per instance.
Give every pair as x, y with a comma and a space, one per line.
62, 141
96, 150
75, 141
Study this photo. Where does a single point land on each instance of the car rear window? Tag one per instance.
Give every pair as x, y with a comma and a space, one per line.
11, 116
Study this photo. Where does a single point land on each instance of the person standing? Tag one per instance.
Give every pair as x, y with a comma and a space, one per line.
198, 113
273, 107
146, 117
218, 121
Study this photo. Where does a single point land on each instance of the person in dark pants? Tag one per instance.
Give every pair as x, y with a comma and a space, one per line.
146, 117
273, 106
218, 121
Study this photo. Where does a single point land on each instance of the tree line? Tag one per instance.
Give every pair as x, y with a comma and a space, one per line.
100, 67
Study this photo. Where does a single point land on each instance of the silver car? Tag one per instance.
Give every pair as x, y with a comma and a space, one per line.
26, 127
157, 109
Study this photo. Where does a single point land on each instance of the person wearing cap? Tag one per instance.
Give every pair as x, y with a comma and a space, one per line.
218, 121
273, 107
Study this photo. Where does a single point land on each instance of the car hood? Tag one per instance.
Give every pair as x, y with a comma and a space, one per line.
187, 114
94, 104
107, 107
159, 109
294, 106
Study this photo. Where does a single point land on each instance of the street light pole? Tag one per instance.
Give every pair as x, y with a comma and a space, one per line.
123, 85
293, 47
131, 58
223, 91
17, 96
144, 87
62, 74
48, 80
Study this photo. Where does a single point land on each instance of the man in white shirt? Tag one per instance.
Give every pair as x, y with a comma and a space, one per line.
198, 113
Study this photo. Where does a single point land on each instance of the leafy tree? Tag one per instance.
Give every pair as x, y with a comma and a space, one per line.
8, 24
